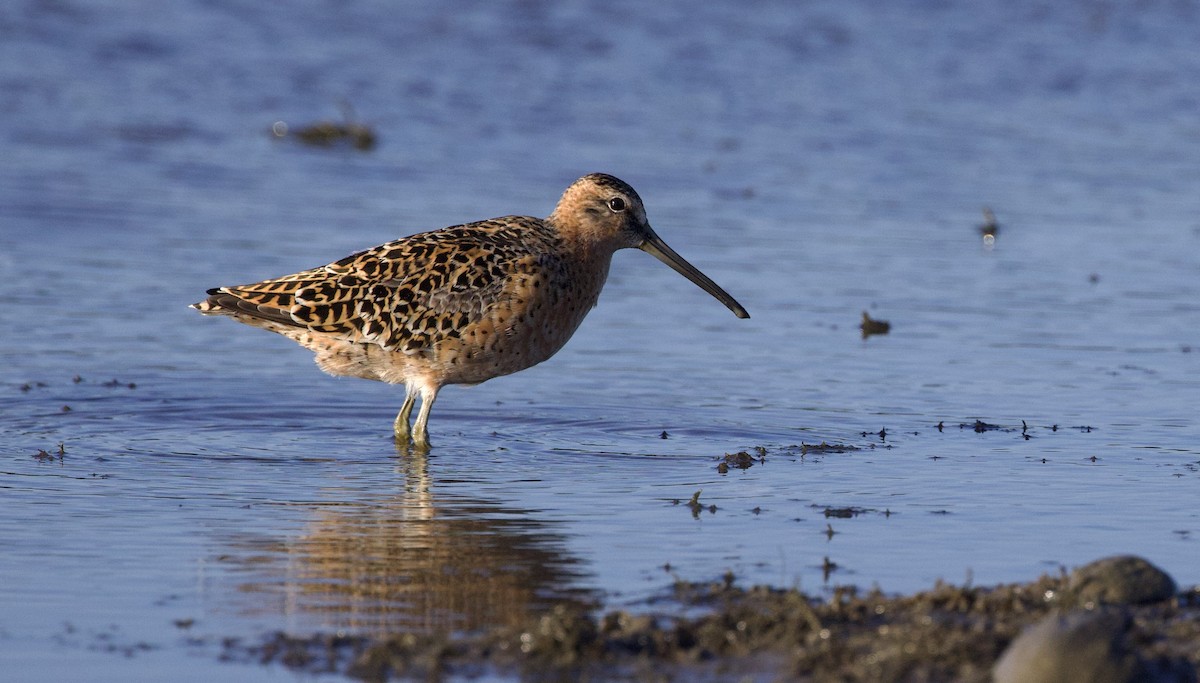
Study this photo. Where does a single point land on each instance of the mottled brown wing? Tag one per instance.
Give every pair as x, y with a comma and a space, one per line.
404, 295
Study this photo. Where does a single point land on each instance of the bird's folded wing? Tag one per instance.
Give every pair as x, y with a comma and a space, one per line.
403, 295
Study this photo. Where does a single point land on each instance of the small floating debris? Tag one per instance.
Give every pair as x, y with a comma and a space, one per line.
735, 193
697, 507
871, 326
828, 567
46, 456
848, 511
823, 447
882, 434
741, 460
980, 427
990, 228
329, 133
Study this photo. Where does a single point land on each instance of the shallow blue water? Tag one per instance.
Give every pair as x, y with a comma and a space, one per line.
816, 162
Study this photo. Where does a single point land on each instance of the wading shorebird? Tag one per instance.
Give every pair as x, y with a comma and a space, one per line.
459, 305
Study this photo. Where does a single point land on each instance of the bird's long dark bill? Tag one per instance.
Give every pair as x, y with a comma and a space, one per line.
659, 250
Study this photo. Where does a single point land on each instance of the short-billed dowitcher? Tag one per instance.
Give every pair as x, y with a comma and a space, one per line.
459, 305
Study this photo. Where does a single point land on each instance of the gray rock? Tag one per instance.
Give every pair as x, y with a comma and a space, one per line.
1079, 647
1120, 580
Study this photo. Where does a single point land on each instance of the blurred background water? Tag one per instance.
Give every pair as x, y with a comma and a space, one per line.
816, 159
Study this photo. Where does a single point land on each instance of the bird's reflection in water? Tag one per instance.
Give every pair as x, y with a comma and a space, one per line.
412, 561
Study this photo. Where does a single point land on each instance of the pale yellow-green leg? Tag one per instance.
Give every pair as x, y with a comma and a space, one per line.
421, 427
401, 424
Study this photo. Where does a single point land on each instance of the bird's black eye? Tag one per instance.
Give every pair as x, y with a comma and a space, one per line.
617, 204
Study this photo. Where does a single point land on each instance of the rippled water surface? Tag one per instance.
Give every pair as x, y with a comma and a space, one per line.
816, 162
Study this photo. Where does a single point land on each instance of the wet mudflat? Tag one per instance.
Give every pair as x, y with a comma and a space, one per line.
1117, 619
175, 491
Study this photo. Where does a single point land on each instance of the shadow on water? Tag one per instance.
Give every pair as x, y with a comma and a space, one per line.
409, 562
